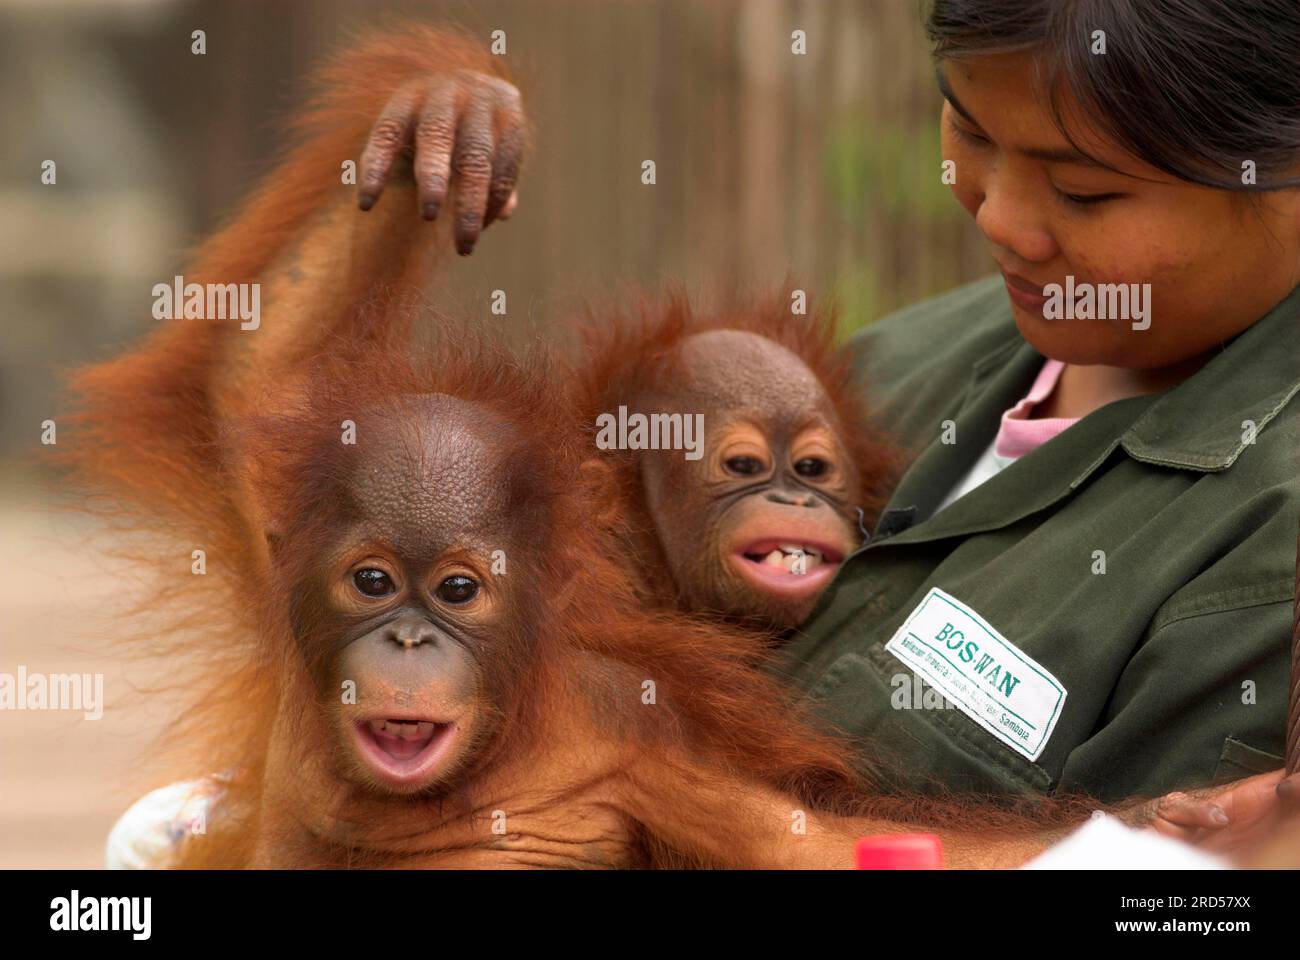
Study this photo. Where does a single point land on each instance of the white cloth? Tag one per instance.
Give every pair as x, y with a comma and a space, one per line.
1105, 843
988, 465
149, 835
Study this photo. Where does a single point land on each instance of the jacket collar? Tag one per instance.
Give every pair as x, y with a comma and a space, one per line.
1199, 423
1204, 422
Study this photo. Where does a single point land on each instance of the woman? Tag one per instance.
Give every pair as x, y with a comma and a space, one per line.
1092, 556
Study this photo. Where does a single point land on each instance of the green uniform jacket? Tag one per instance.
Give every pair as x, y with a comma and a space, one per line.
1114, 609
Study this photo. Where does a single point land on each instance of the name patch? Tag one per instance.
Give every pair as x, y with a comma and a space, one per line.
980, 671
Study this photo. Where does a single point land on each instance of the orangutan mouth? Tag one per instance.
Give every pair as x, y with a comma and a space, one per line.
403, 751
787, 567
786, 556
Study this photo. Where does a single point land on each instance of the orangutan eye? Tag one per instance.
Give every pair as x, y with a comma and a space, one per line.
812, 467
373, 582
457, 589
744, 466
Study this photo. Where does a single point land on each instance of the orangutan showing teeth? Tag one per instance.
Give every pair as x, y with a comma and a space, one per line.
787, 556
400, 748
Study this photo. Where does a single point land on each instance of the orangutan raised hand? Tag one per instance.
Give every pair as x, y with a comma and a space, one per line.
415, 114
463, 130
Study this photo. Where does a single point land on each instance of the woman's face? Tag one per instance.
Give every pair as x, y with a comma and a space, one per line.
1216, 260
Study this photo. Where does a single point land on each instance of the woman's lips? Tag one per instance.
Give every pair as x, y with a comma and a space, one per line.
1024, 293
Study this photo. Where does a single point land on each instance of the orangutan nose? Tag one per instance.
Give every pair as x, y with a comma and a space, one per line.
793, 499
409, 632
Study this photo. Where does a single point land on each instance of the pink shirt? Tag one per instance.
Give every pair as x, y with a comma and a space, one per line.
1018, 434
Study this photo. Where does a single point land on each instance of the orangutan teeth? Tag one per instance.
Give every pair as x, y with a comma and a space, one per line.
799, 563
793, 558
403, 729
797, 548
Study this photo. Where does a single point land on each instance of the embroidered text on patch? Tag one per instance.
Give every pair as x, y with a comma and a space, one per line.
980, 671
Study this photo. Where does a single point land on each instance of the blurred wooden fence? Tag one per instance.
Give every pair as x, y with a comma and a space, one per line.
823, 167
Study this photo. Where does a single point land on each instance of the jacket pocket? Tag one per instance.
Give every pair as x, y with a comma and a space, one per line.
1242, 760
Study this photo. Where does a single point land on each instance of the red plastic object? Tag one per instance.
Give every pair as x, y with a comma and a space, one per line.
900, 851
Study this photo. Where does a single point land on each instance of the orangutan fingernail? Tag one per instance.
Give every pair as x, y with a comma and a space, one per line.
1218, 815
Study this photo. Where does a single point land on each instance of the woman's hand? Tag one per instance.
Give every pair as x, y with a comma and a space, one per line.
1233, 817
465, 130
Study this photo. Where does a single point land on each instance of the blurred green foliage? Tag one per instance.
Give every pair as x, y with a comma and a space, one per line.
892, 171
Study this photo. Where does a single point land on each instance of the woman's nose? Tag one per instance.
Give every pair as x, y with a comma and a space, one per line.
1012, 220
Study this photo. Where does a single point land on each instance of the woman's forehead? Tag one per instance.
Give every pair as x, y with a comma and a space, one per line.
1007, 96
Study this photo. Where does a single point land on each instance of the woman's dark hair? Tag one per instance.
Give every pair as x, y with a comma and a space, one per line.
1193, 87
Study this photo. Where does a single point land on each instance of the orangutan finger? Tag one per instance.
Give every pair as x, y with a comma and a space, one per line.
388, 137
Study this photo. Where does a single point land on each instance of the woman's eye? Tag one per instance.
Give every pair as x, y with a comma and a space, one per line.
744, 466
812, 467
1086, 200
457, 590
373, 582
968, 135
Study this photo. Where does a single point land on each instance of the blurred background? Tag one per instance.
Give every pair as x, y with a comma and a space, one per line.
823, 167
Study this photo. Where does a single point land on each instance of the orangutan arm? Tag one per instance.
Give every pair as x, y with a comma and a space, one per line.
417, 112
714, 818
150, 424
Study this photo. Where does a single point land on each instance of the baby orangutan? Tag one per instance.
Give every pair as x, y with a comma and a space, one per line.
754, 525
